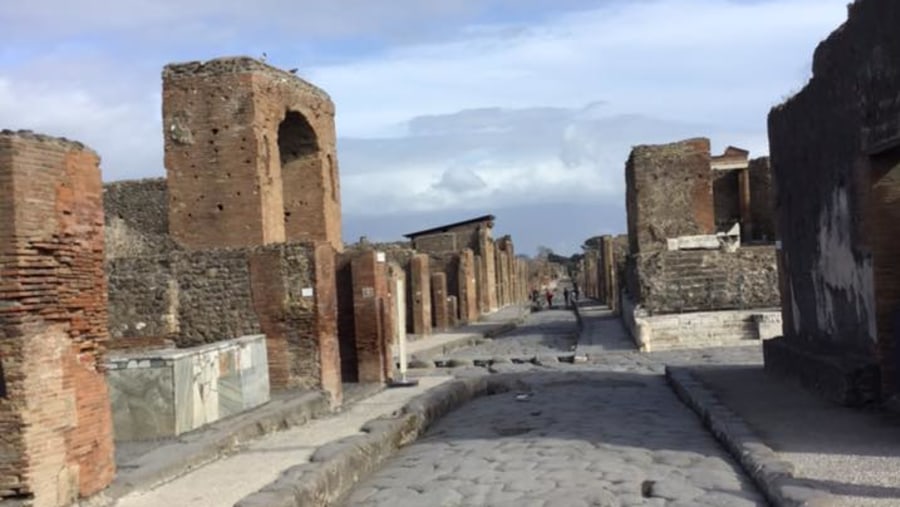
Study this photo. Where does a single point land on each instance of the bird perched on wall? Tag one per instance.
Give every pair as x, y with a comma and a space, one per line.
293, 71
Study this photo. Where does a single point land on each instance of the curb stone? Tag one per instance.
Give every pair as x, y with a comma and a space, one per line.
195, 449
774, 476
336, 467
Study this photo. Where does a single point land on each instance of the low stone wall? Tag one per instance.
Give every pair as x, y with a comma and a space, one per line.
164, 393
653, 333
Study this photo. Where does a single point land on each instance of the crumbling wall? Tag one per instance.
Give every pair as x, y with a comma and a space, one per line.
827, 143
668, 193
136, 218
55, 423
706, 280
250, 156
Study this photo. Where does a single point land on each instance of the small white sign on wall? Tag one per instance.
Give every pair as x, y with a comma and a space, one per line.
307, 292
379, 256
368, 292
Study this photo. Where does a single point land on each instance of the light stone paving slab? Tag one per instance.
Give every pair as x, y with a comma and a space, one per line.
226, 481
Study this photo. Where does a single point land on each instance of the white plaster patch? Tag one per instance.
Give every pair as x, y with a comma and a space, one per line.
837, 268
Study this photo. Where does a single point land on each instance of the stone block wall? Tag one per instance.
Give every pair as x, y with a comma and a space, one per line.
706, 280
286, 291
136, 218
55, 422
487, 279
835, 155
668, 193
250, 156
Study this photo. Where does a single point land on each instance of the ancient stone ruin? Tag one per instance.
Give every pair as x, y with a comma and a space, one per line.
835, 149
55, 426
689, 279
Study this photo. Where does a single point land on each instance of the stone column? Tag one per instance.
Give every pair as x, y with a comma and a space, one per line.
468, 296
370, 293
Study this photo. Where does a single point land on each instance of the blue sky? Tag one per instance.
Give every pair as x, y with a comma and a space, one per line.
445, 109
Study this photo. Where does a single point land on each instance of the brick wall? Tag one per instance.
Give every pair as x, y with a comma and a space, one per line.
436, 243
371, 312
668, 193
55, 423
250, 156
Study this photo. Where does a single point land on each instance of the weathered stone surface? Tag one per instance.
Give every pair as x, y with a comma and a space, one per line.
250, 156
55, 422
834, 154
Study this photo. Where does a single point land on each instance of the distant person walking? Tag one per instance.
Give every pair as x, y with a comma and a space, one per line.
566, 296
549, 296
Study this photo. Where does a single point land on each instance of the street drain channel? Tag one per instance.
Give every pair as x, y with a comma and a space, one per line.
486, 362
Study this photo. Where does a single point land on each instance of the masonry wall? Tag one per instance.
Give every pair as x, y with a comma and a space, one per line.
834, 154
197, 297
250, 156
668, 193
136, 218
371, 305
705, 280
55, 422
439, 302
450, 240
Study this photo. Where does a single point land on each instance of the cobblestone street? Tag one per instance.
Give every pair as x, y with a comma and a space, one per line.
608, 433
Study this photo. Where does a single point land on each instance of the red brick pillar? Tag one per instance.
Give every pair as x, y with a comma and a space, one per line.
745, 205
439, 301
55, 423
326, 337
420, 288
468, 297
369, 298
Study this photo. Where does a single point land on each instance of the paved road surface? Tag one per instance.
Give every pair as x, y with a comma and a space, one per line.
604, 434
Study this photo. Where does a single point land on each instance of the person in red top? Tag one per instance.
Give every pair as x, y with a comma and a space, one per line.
549, 298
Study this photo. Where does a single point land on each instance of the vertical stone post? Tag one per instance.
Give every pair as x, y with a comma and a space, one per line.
439, 301
56, 436
420, 292
468, 293
452, 311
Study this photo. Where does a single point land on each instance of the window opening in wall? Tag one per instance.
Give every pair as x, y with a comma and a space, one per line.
297, 149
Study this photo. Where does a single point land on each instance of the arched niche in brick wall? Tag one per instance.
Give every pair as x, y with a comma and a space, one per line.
301, 169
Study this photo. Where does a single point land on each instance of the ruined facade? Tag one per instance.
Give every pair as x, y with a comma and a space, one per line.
835, 155
685, 211
240, 238
250, 156
55, 423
